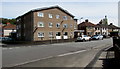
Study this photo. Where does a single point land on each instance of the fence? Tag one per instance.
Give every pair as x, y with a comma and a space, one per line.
116, 45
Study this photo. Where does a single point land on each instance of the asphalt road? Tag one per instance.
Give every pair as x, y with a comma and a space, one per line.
51, 53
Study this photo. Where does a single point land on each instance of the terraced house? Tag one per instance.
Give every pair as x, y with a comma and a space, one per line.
46, 24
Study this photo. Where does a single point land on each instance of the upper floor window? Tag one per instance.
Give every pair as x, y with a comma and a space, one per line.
50, 34
40, 24
65, 26
40, 34
50, 15
40, 14
65, 17
50, 24
58, 25
57, 16
71, 25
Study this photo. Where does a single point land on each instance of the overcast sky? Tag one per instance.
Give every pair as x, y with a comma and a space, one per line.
88, 9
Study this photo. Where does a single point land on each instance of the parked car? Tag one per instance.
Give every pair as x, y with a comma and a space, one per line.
83, 38
97, 37
5, 39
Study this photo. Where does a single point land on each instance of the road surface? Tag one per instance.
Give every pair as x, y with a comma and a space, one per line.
59, 54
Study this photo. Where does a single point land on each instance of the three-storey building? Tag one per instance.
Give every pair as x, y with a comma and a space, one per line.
48, 23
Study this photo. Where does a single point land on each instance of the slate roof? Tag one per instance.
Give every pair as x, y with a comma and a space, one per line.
46, 8
86, 24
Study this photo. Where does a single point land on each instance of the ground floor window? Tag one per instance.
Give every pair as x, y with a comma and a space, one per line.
65, 33
58, 33
40, 34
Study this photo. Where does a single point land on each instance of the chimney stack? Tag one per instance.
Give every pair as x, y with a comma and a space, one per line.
86, 20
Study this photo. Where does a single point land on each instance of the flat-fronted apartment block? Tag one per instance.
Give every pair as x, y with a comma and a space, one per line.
46, 24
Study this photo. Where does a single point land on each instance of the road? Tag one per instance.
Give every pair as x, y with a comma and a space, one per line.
60, 51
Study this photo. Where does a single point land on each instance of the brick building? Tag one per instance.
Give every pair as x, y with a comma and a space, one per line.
88, 27
46, 24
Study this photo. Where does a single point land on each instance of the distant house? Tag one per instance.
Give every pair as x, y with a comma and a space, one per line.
7, 29
88, 27
113, 27
49, 23
101, 29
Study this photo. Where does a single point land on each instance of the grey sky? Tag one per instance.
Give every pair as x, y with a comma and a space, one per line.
94, 11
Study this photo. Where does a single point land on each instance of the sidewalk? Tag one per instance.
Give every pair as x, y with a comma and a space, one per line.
107, 60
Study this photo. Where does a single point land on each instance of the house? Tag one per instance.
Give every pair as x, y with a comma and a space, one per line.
49, 23
87, 27
101, 29
113, 28
7, 29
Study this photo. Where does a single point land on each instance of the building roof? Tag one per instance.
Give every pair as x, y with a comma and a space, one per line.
9, 27
101, 25
46, 8
113, 26
86, 24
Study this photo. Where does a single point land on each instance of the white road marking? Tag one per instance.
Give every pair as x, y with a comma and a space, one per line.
31, 61
71, 53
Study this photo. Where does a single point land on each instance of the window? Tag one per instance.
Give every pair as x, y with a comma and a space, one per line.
57, 16
50, 15
72, 33
65, 26
50, 34
40, 14
40, 24
75, 27
58, 25
57, 33
65, 17
40, 34
50, 24
65, 33
71, 25
17, 26
71, 18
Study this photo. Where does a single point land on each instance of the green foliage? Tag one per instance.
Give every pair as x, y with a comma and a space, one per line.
5, 21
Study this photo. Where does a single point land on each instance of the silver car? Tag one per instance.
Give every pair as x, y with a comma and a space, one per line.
97, 37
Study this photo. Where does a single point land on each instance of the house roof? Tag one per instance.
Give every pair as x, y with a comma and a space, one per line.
46, 8
9, 27
113, 26
86, 24
101, 25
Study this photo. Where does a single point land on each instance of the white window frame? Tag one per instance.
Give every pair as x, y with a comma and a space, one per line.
71, 25
40, 23
50, 34
40, 14
57, 16
50, 15
41, 34
57, 33
58, 25
65, 33
65, 18
65, 25
50, 24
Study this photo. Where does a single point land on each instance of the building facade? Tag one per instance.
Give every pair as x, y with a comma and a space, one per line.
87, 27
49, 23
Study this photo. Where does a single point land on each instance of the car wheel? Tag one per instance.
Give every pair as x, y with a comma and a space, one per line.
83, 40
